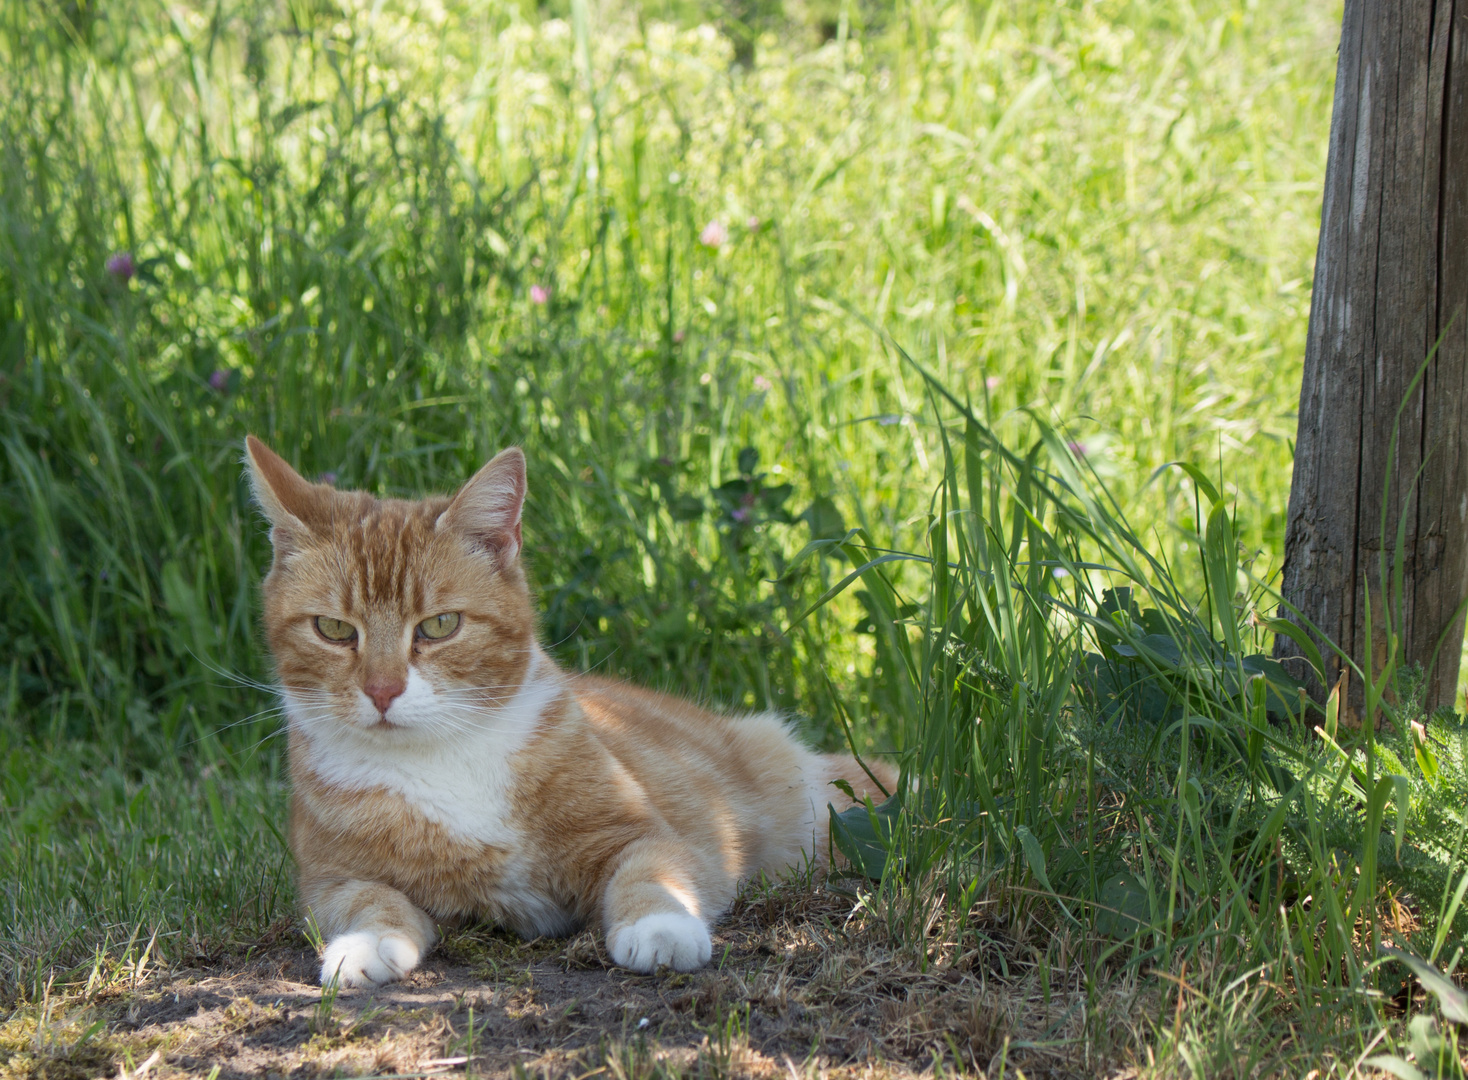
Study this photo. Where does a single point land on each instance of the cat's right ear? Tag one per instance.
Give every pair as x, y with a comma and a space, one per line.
487, 508
288, 500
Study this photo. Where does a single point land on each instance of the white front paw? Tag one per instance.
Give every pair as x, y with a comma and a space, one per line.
676, 939
365, 958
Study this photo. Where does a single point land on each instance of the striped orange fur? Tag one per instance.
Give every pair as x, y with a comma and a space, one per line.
441, 778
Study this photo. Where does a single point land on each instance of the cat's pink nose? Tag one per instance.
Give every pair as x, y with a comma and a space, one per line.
382, 690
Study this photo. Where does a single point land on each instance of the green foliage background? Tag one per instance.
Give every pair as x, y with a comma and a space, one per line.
339, 215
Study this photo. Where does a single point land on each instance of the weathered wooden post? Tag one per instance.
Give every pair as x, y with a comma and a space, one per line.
1391, 278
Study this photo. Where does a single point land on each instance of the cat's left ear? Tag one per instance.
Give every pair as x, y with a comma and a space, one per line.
487, 508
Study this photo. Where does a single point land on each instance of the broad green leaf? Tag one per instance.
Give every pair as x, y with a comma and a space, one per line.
1426, 758
686, 507
1220, 563
1205, 485
1333, 706
1390, 1063
1035, 860
1034, 856
1404, 808
1428, 1045
1452, 1000
1299, 637
864, 836
1123, 908
1119, 601
825, 520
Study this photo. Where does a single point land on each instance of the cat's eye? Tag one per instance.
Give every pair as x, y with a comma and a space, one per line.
438, 627
334, 629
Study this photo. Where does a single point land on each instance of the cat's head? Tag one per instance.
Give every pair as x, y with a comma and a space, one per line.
385, 614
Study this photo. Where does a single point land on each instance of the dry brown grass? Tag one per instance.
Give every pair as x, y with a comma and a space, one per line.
806, 984
802, 986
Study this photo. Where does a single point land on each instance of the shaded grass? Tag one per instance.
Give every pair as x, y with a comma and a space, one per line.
100, 861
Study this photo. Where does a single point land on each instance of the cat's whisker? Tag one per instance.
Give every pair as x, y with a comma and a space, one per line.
306, 692
252, 749
475, 689
472, 713
472, 708
310, 715
278, 730
234, 678
475, 708
468, 722
465, 724
274, 712
262, 715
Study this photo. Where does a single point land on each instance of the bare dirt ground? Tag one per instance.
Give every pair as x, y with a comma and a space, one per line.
797, 989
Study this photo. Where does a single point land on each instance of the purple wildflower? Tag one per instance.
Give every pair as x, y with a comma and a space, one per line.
121, 266
219, 380
539, 294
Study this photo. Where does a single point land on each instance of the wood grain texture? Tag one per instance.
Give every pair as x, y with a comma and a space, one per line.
1391, 280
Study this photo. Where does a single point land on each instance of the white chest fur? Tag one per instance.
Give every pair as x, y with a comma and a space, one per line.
449, 762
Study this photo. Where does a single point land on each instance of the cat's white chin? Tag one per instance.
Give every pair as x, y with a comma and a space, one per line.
365, 958
674, 938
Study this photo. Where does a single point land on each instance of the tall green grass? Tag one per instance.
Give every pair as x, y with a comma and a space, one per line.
343, 221
1099, 753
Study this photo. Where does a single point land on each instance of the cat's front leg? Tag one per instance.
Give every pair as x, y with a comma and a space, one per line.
374, 934
656, 909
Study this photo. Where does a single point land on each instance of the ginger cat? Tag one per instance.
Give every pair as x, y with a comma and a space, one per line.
444, 769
